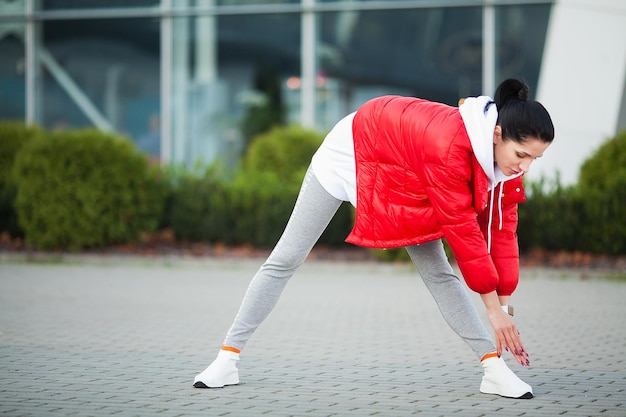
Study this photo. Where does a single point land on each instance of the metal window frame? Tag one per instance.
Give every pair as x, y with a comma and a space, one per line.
309, 9
305, 6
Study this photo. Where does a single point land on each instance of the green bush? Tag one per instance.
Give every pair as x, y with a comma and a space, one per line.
391, 255
550, 218
587, 217
602, 189
339, 227
283, 151
13, 136
265, 190
251, 209
400, 255
201, 209
603, 170
85, 188
255, 205
261, 206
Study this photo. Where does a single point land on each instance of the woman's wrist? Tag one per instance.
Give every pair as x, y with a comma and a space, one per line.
491, 301
508, 308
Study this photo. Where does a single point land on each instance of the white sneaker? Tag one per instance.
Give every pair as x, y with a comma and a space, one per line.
500, 380
223, 371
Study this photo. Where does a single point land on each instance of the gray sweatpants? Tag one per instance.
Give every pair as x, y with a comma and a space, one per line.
312, 213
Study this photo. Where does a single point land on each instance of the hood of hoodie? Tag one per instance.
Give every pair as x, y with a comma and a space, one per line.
480, 122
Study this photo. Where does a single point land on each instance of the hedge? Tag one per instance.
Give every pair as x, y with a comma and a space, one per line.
85, 188
81, 189
13, 136
589, 216
602, 191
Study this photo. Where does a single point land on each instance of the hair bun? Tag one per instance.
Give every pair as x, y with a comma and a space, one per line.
522, 93
511, 89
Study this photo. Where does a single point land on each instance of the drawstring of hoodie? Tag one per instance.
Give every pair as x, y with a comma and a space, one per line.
500, 195
490, 220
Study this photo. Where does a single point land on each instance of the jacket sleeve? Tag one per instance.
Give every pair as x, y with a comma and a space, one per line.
504, 243
452, 201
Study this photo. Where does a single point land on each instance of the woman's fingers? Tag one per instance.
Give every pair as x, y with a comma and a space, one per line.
514, 344
508, 338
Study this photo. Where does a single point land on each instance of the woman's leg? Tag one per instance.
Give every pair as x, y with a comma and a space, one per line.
313, 210
459, 311
312, 213
451, 297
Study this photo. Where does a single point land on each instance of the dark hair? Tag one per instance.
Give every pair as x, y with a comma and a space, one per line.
519, 117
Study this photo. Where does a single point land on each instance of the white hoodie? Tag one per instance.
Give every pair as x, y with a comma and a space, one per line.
480, 117
480, 125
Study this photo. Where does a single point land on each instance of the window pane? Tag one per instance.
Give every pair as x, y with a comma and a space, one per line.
430, 53
521, 35
12, 64
228, 72
12, 73
94, 4
234, 75
102, 73
254, 2
344, 1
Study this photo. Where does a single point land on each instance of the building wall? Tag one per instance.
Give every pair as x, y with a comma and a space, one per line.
183, 78
582, 81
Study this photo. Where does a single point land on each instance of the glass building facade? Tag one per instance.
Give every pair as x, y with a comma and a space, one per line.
187, 80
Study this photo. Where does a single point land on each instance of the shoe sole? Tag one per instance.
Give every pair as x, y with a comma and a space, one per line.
487, 387
526, 396
201, 384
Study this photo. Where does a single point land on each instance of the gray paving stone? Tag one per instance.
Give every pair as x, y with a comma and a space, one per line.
100, 336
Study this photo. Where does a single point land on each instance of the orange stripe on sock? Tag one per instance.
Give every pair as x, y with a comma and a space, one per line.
489, 355
231, 349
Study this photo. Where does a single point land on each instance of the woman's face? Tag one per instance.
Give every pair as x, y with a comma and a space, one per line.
513, 157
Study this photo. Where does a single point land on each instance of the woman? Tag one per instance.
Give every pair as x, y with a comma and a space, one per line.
419, 171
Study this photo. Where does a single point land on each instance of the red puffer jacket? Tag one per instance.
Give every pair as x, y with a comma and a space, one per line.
418, 180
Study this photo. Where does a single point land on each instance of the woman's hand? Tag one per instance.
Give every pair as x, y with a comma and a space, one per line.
506, 333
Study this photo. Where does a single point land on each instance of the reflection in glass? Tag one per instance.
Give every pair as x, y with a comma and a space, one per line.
228, 73
12, 72
102, 73
229, 76
93, 4
520, 39
430, 53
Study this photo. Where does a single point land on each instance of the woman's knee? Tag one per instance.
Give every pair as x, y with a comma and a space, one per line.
281, 263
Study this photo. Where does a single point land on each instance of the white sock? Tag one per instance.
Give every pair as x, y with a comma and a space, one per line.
500, 380
222, 371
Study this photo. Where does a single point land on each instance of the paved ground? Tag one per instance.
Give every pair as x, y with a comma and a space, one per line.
125, 336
